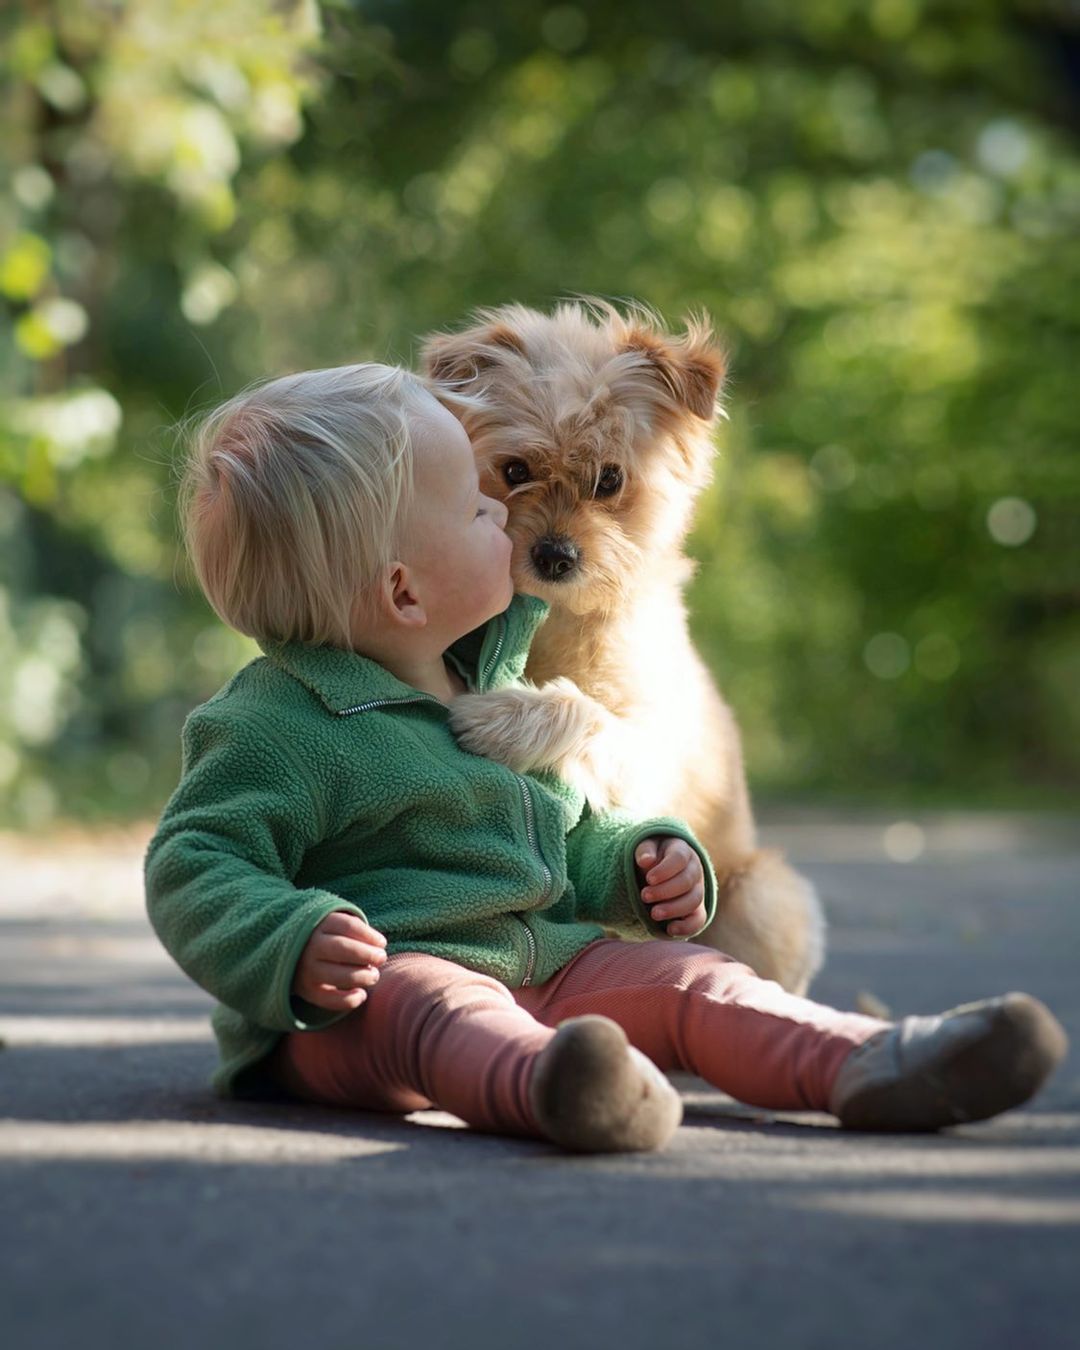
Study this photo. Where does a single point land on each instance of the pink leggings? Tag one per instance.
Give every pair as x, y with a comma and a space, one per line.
432, 1033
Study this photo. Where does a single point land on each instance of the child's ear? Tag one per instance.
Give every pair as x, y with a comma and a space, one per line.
402, 601
459, 358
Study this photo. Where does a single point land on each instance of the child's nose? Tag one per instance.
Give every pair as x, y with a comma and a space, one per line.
502, 515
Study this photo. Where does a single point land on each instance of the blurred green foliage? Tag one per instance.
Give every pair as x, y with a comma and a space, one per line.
877, 201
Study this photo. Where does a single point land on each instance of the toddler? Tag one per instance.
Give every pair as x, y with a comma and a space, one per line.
390, 922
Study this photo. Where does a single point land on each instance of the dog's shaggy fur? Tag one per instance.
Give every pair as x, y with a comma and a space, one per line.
595, 429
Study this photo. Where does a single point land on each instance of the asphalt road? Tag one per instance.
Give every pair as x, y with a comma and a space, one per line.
139, 1211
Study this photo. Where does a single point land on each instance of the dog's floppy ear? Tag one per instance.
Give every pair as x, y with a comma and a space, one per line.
459, 358
691, 368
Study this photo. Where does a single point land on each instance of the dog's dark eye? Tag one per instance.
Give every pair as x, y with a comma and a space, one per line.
610, 481
516, 471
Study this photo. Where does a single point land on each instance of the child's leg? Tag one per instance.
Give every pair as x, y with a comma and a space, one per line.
689, 1007
430, 1033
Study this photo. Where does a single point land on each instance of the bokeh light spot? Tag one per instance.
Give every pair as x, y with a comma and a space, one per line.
832, 468
669, 201
903, 841
1011, 521
1003, 147
887, 655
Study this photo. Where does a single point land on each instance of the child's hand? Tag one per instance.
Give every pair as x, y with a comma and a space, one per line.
340, 963
674, 875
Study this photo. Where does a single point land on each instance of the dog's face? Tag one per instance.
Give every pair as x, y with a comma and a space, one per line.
594, 429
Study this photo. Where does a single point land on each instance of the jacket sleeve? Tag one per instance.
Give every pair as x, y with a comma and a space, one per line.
600, 865
219, 870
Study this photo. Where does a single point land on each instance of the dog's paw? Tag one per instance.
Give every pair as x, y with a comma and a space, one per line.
525, 727
490, 725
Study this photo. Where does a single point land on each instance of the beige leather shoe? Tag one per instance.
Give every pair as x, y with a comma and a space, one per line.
966, 1064
592, 1092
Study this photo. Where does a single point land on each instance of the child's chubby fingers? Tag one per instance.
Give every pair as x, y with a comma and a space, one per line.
681, 905
693, 923
345, 951
685, 880
674, 855
335, 1000
340, 962
646, 854
348, 940
672, 889
341, 923
330, 975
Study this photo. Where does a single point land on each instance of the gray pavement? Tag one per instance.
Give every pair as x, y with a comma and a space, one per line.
138, 1210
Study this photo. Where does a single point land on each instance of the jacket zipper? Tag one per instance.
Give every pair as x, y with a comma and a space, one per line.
530, 943
384, 703
534, 844
490, 664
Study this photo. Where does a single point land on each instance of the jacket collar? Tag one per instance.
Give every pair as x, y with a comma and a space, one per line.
346, 682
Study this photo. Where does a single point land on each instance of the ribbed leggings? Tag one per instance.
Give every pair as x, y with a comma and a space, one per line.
432, 1033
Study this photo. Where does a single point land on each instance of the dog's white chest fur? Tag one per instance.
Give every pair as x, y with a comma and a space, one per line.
642, 667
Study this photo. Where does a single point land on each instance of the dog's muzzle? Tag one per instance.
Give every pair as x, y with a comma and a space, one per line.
554, 558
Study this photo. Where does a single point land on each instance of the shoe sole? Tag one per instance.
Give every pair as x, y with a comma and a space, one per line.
1022, 1044
589, 1096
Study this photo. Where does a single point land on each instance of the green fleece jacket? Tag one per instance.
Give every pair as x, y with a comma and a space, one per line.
317, 781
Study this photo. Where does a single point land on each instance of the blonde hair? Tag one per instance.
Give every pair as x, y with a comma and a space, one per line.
293, 494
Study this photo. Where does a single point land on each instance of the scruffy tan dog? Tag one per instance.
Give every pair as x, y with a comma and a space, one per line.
595, 430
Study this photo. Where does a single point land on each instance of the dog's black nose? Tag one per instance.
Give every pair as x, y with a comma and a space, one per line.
555, 558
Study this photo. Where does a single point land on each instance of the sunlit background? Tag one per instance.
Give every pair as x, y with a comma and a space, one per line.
877, 201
